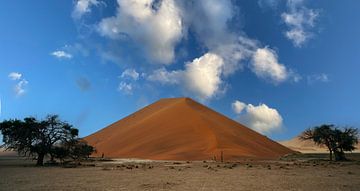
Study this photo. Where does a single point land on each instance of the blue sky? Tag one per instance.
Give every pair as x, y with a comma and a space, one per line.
278, 66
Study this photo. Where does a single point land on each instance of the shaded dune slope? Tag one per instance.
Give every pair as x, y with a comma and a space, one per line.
182, 129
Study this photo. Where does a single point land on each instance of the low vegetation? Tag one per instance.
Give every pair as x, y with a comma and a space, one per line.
50, 137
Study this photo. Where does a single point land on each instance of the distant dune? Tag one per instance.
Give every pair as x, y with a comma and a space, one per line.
182, 129
307, 146
7, 153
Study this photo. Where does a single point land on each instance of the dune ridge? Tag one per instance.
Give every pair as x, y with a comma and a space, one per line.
182, 129
308, 146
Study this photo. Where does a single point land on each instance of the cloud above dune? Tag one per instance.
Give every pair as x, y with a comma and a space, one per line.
83, 7
201, 77
130, 73
21, 83
300, 20
15, 76
260, 118
61, 54
158, 28
265, 65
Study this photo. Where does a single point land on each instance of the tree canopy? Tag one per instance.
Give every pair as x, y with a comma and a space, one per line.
51, 136
335, 139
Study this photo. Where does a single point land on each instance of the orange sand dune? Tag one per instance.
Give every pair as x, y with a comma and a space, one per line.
307, 146
182, 129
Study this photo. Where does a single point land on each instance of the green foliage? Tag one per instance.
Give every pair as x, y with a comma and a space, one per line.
80, 149
335, 139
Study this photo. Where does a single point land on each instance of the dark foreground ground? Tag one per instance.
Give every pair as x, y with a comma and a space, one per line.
301, 172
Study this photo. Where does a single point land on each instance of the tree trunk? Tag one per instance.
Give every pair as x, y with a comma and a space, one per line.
330, 155
40, 159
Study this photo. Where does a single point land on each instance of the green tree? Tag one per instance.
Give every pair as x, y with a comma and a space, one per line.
30, 137
79, 149
336, 140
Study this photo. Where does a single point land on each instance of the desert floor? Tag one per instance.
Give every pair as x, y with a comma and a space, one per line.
300, 172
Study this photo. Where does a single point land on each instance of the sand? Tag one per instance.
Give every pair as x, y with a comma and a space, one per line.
308, 146
294, 174
182, 129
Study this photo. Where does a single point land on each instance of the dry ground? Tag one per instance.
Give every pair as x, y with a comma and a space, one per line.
302, 172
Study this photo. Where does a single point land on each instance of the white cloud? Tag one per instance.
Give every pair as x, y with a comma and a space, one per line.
238, 106
130, 73
157, 30
265, 64
82, 7
204, 76
15, 76
261, 118
126, 88
159, 26
235, 52
300, 20
201, 77
19, 88
61, 54
166, 77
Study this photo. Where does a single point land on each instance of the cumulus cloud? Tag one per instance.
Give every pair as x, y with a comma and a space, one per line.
238, 106
130, 74
126, 88
300, 20
261, 118
265, 65
201, 77
235, 52
21, 83
204, 76
61, 54
82, 7
15, 76
158, 29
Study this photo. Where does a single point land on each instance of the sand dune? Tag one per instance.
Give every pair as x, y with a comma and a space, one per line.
7, 153
182, 129
307, 146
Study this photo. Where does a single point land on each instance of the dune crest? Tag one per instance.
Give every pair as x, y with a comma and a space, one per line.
182, 129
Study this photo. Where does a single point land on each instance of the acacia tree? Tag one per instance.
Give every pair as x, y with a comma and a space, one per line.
30, 137
336, 140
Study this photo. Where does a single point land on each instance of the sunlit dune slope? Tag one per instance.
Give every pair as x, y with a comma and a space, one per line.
307, 146
182, 129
